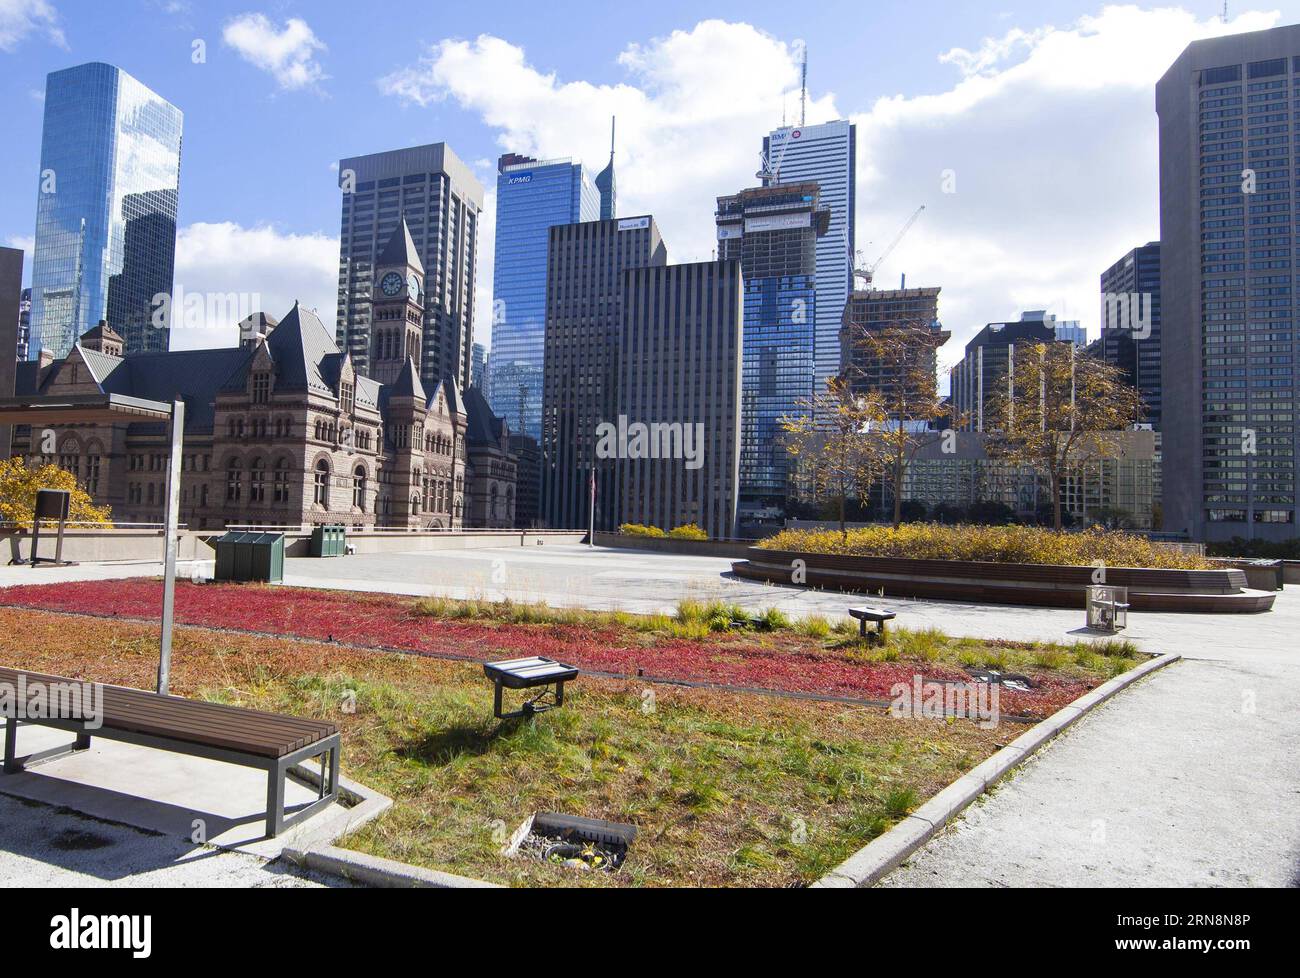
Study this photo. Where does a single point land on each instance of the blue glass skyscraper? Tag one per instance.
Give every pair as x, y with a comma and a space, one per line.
532, 196
105, 210
774, 233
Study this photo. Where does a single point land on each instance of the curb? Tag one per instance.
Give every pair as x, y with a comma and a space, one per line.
866, 866
358, 867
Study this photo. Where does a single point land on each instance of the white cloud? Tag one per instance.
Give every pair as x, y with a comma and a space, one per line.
289, 55
691, 118
18, 18
266, 268
1051, 132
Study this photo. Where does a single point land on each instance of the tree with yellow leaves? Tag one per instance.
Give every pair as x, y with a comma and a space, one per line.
18, 485
1057, 410
833, 444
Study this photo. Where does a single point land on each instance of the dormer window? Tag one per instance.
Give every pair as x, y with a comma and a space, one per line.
347, 397
261, 387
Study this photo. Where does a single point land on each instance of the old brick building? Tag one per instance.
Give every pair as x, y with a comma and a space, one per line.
280, 431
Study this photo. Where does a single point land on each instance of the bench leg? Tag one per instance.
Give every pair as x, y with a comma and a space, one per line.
334, 771
11, 746
274, 801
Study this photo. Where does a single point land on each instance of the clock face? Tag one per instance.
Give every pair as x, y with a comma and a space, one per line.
391, 284
413, 287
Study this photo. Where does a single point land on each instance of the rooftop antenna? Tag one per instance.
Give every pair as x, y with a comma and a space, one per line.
613, 120
803, 87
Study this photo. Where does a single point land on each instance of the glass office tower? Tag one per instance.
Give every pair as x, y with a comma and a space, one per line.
532, 196
773, 232
105, 209
825, 154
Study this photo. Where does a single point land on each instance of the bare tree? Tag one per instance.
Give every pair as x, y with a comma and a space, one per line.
1056, 411
898, 363
833, 444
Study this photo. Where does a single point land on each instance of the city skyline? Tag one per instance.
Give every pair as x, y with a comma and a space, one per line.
272, 236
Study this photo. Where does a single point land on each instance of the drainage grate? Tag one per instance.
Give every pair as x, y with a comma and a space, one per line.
583, 844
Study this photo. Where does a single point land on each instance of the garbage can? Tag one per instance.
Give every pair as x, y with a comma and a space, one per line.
329, 540
250, 556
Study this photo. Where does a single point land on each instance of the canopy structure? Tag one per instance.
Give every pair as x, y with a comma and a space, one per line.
120, 409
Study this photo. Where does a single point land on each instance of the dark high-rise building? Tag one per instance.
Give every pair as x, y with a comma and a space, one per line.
877, 310
1228, 269
24, 322
680, 379
11, 291
1130, 323
584, 310
440, 200
105, 210
985, 364
773, 231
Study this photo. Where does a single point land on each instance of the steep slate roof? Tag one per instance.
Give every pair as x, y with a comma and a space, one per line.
101, 365
400, 250
408, 383
483, 427
451, 392
303, 350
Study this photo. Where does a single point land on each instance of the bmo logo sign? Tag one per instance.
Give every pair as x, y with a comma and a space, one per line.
795, 134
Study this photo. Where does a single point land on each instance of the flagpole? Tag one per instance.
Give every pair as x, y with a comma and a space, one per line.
591, 512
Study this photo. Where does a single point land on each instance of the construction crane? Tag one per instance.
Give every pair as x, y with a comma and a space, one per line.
868, 272
770, 171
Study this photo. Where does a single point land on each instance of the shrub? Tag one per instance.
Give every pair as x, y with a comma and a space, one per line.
1270, 549
637, 530
1000, 544
690, 531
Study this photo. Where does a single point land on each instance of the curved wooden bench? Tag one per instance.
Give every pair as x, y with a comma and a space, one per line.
272, 742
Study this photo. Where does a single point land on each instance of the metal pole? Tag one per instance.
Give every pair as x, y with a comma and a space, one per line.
170, 526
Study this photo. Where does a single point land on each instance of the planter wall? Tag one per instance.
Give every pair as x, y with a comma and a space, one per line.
1050, 585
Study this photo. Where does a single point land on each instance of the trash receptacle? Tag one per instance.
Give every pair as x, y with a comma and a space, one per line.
249, 556
329, 540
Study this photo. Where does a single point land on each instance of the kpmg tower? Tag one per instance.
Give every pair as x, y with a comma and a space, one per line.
105, 210
825, 154
532, 196
440, 200
1228, 270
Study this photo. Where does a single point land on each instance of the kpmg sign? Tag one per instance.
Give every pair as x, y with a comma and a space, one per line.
520, 178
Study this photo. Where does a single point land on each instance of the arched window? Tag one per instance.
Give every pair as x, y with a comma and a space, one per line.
359, 487
234, 485
492, 512
256, 481
415, 505
281, 488
321, 496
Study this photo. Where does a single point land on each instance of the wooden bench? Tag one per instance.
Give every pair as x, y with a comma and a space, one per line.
877, 615
272, 742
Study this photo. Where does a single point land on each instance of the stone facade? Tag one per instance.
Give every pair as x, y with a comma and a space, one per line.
281, 431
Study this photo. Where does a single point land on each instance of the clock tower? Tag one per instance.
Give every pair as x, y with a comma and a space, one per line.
396, 307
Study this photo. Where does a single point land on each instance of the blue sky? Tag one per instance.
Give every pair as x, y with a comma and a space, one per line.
1037, 107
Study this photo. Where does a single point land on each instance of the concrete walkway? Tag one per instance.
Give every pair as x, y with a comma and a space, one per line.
46, 846
1188, 779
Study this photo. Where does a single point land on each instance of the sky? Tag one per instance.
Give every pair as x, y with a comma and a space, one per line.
1027, 129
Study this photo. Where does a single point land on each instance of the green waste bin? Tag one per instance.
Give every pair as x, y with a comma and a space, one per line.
329, 540
250, 556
